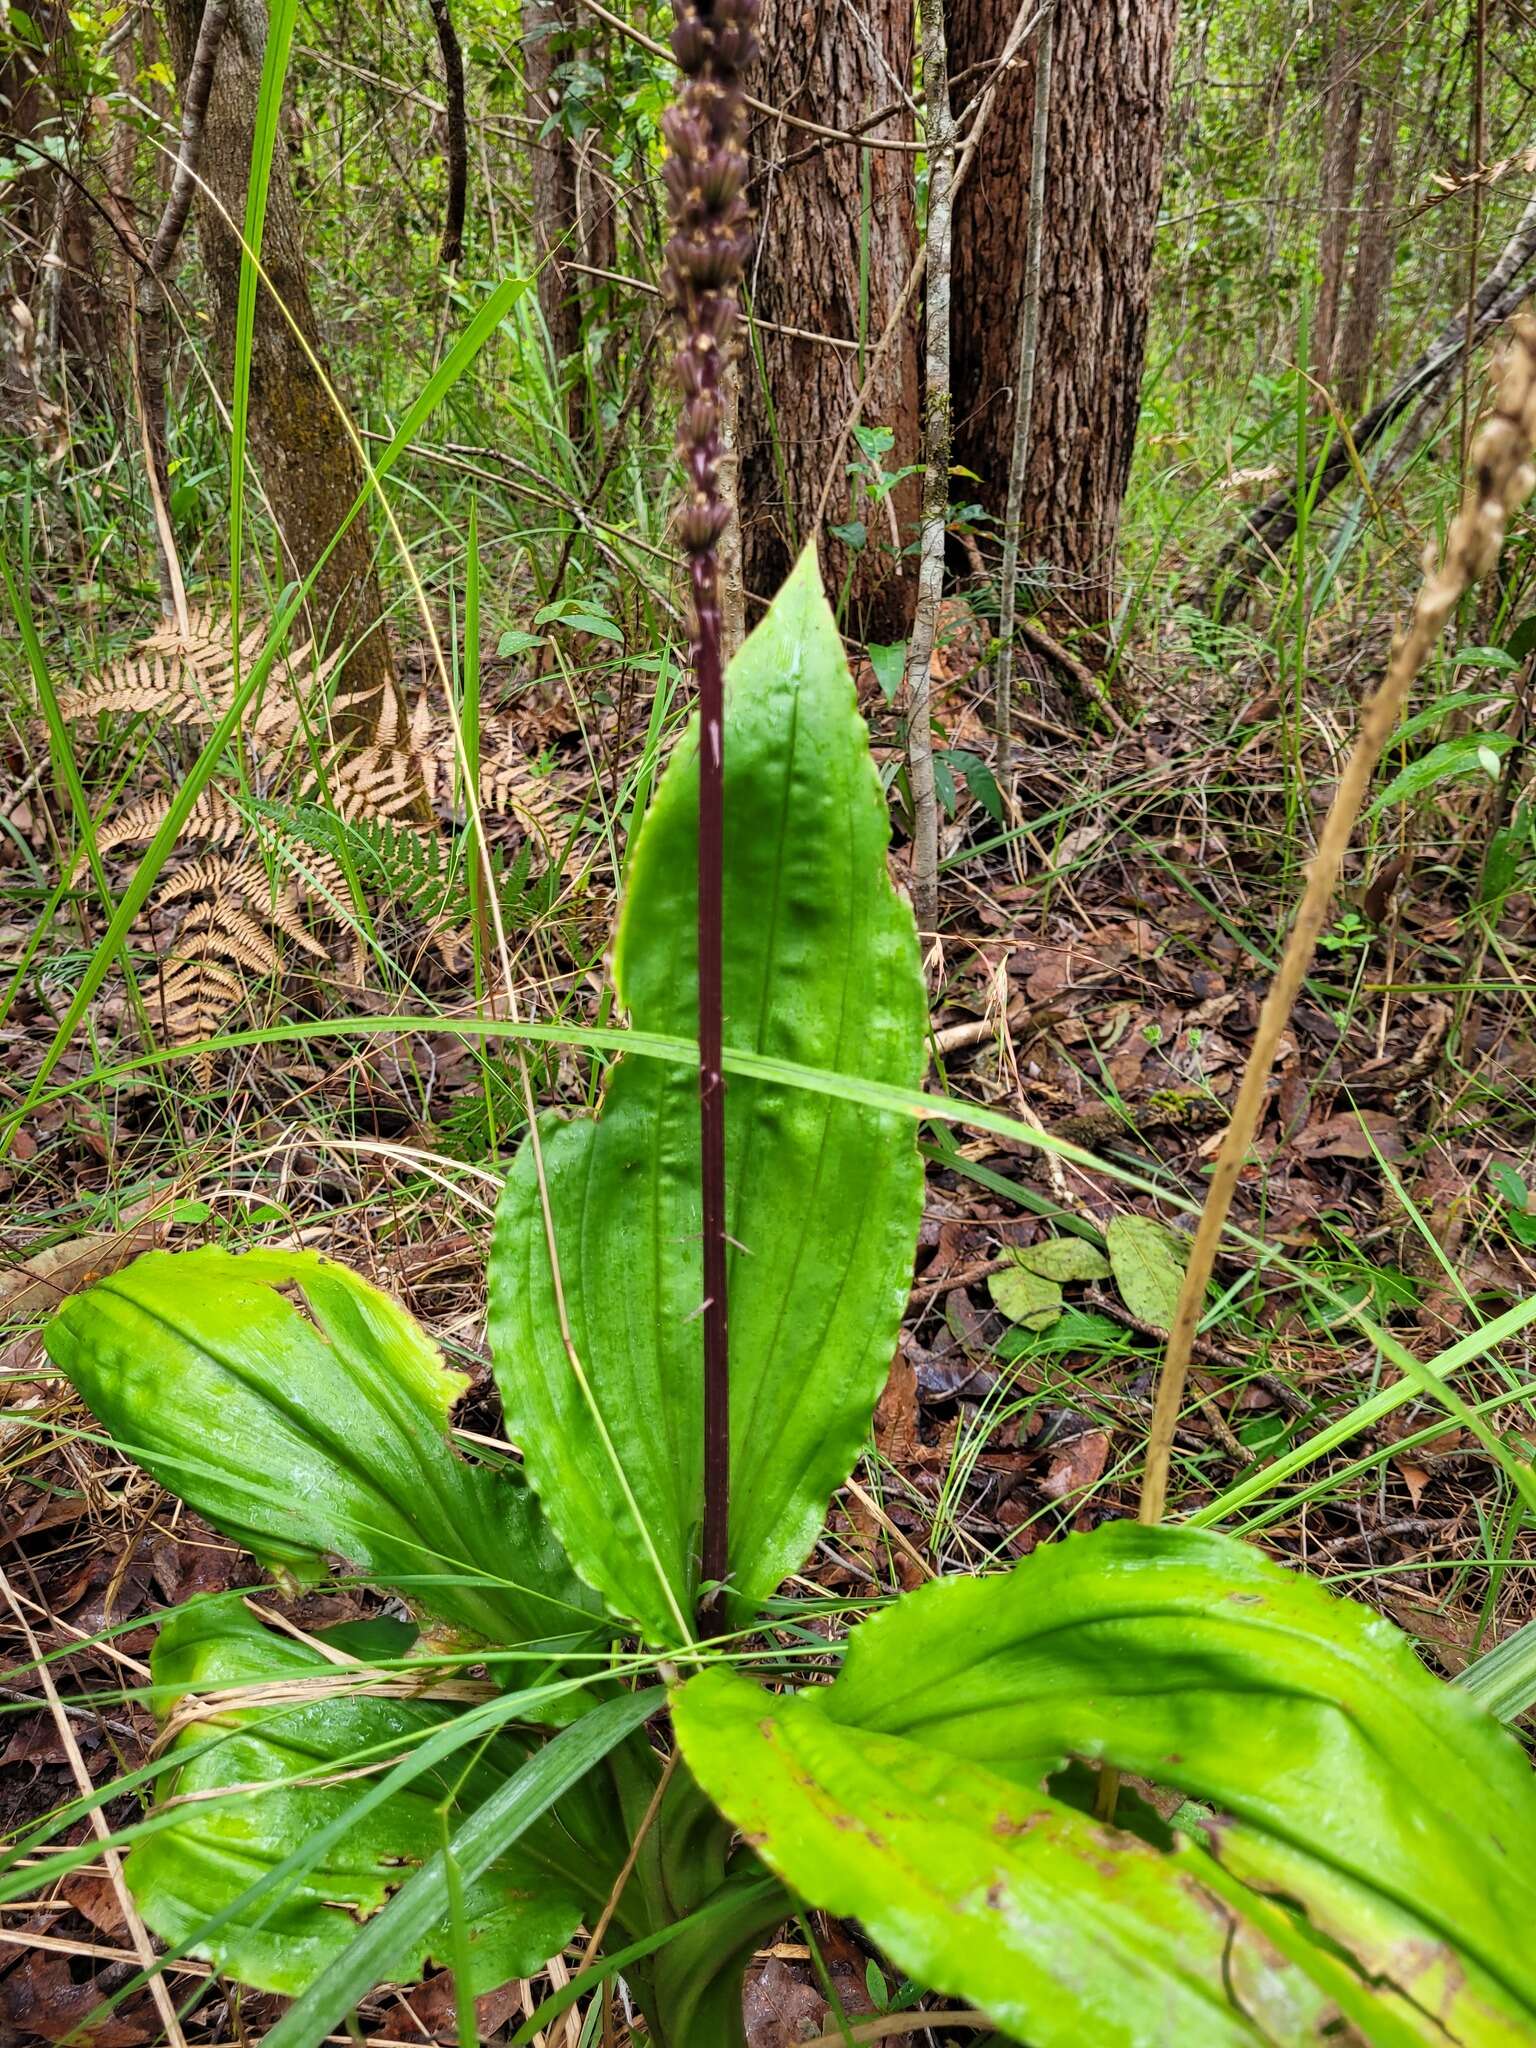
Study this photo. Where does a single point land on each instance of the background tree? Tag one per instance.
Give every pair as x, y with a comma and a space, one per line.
837, 238
52, 256
1113, 68
309, 468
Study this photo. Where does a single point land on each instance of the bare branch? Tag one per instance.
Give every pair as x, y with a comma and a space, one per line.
194, 108
452, 248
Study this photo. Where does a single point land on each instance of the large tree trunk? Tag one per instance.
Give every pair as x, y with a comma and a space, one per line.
1109, 103
810, 203
309, 468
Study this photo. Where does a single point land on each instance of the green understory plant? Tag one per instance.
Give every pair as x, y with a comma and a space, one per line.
466, 1787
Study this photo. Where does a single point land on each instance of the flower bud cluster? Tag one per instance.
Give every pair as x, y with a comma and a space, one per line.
706, 174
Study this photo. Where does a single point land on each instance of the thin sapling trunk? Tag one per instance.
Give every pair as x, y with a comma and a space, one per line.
706, 174
1023, 391
936, 437
451, 250
150, 344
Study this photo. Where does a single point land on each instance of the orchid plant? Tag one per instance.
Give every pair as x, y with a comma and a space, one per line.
595, 1704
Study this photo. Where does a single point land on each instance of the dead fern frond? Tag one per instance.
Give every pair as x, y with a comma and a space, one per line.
196, 999
189, 678
509, 788
221, 929
210, 874
282, 908
373, 782
317, 877
135, 683
214, 819
244, 887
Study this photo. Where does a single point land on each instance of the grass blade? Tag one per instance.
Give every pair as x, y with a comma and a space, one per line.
423, 1898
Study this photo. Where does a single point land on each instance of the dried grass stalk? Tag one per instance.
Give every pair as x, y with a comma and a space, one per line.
1502, 479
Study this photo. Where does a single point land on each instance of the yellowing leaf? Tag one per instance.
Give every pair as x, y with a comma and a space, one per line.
1063, 1259
1148, 1269
1025, 1297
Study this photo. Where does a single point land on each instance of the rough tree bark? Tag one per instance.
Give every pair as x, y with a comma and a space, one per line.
150, 345
48, 229
1113, 67
936, 436
309, 468
824, 65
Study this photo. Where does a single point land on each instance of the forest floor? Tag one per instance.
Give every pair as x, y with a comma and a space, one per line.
1099, 975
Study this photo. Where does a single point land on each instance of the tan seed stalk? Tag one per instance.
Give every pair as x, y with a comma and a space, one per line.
1502, 479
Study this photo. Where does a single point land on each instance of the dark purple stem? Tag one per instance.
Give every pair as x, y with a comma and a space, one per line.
717, 1383
713, 41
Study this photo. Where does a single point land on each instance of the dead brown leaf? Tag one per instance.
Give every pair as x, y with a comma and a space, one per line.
896, 1416
778, 2009
1352, 1134
40, 2001
1078, 1463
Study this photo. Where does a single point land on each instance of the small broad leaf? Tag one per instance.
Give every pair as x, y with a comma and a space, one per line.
305, 1414
875, 440
580, 615
1447, 762
1148, 1265
1075, 1329
824, 1194
1395, 1820
1063, 1259
301, 1745
515, 641
598, 624
889, 662
978, 778
1025, 1297
1484, 657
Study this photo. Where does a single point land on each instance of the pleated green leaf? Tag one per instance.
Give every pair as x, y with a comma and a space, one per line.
306, 1414
1372, 1860
1063, 1929
821, 967
279, 1721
